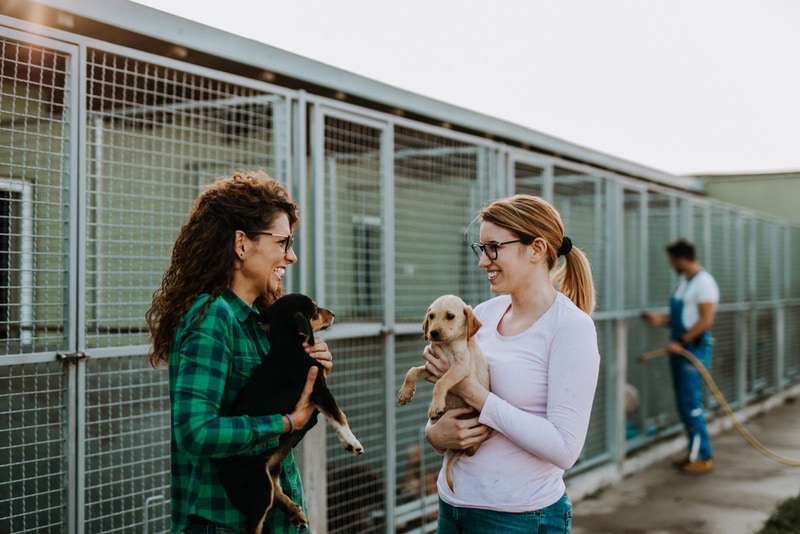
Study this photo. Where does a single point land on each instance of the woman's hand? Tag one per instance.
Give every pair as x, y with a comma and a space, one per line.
319, 351
450, 432
436, 362
304, 408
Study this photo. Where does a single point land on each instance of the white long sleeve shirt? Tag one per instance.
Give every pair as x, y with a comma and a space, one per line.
542, 388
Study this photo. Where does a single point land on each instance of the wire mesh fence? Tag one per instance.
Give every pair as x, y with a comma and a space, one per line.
105, 148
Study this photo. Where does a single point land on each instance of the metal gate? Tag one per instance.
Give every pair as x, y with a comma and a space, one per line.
37, 315
96, 186
102, 151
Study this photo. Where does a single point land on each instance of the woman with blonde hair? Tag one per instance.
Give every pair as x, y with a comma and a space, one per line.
227, 264
541, 346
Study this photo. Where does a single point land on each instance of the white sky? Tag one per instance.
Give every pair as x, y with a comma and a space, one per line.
684, 86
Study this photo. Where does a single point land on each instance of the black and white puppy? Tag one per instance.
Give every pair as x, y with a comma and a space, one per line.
275, 386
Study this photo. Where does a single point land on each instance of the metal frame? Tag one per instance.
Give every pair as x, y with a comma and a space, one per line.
299, 116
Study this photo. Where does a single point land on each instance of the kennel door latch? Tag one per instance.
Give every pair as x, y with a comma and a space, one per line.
71, 357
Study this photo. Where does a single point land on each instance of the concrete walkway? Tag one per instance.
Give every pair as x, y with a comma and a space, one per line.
736, 498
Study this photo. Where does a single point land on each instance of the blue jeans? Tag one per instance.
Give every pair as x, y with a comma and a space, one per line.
556, 518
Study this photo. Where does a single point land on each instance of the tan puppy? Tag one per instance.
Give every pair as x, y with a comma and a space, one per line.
449, 323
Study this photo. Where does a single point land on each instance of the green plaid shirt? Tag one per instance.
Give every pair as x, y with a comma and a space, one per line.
210, 359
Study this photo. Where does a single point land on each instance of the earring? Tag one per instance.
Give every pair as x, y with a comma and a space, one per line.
242, 256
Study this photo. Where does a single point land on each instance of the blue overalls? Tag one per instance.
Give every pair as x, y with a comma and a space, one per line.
688, 384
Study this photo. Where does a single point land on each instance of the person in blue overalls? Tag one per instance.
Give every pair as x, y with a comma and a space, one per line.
691, 314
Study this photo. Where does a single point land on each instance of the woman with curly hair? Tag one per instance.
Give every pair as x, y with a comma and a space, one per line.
228, 262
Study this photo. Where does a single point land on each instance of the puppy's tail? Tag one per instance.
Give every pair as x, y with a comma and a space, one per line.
455, 456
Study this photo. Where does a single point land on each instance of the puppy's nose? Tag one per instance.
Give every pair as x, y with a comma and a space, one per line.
435, 334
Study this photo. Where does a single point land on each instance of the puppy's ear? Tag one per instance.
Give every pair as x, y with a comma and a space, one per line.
473, 323
304, 327
425, 326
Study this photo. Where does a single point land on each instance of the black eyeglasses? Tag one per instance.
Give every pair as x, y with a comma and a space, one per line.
289, 239
490, 249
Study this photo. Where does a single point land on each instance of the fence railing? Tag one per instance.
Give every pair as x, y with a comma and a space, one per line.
104, 149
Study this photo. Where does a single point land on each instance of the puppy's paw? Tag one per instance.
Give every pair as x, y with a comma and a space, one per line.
349, 441
435, 410
355, 448
434, 414
298, 518
405, 395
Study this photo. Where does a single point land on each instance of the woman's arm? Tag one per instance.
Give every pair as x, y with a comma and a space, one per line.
573, 370
200, 374
199, 395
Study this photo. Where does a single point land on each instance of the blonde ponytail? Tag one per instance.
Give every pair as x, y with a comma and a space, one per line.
574, 279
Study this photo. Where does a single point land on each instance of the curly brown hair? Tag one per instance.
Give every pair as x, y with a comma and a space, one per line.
203, 254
